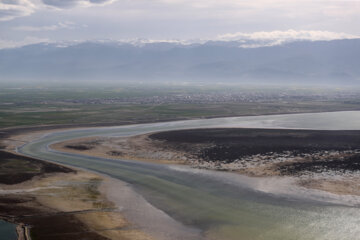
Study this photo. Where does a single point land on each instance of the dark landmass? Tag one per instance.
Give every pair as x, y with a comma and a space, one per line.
230, 143
15, 169
312, 147
85, 146
343, 164
79, 147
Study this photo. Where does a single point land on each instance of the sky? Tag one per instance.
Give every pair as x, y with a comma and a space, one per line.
32, 21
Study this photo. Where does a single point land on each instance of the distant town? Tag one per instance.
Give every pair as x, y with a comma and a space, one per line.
221, 97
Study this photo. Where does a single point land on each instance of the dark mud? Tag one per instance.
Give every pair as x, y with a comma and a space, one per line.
115, 153
228, 145
15, 169
79, 147
340, 165
84, 146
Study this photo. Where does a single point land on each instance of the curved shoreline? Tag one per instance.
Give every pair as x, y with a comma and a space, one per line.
254, 163
72, 199
159, 220
109, 131
286, 186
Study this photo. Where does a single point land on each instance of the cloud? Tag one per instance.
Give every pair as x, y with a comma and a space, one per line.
60, 25
26, 41
74, 3
279, 37
10, 9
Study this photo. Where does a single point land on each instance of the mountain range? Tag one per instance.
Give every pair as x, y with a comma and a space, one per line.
299, 62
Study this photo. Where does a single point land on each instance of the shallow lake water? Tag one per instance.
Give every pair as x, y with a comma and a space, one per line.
7, 231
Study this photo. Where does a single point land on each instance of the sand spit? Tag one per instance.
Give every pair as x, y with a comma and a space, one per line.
43, 198
332, 170
65, 206
136, 148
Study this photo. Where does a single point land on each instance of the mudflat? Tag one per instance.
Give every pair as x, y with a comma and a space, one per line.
50, 201
313, 157
319, 150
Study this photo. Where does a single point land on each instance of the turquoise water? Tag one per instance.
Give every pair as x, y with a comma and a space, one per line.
223, 205
7, 231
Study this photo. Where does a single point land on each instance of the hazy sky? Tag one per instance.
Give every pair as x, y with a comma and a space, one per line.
31, 21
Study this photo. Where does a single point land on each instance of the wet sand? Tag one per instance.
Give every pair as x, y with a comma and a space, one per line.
64, 205
76, 208
47, 200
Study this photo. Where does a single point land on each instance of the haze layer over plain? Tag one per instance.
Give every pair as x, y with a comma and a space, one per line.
298, 63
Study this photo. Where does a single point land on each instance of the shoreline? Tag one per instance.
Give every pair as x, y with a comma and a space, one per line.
13, 143
158, 218
147, 149
77, 201
72, 197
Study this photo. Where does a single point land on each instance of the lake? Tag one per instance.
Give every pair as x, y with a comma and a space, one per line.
7, 231
225, 205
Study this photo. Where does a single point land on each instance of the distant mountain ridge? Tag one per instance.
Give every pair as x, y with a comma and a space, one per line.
319, 62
